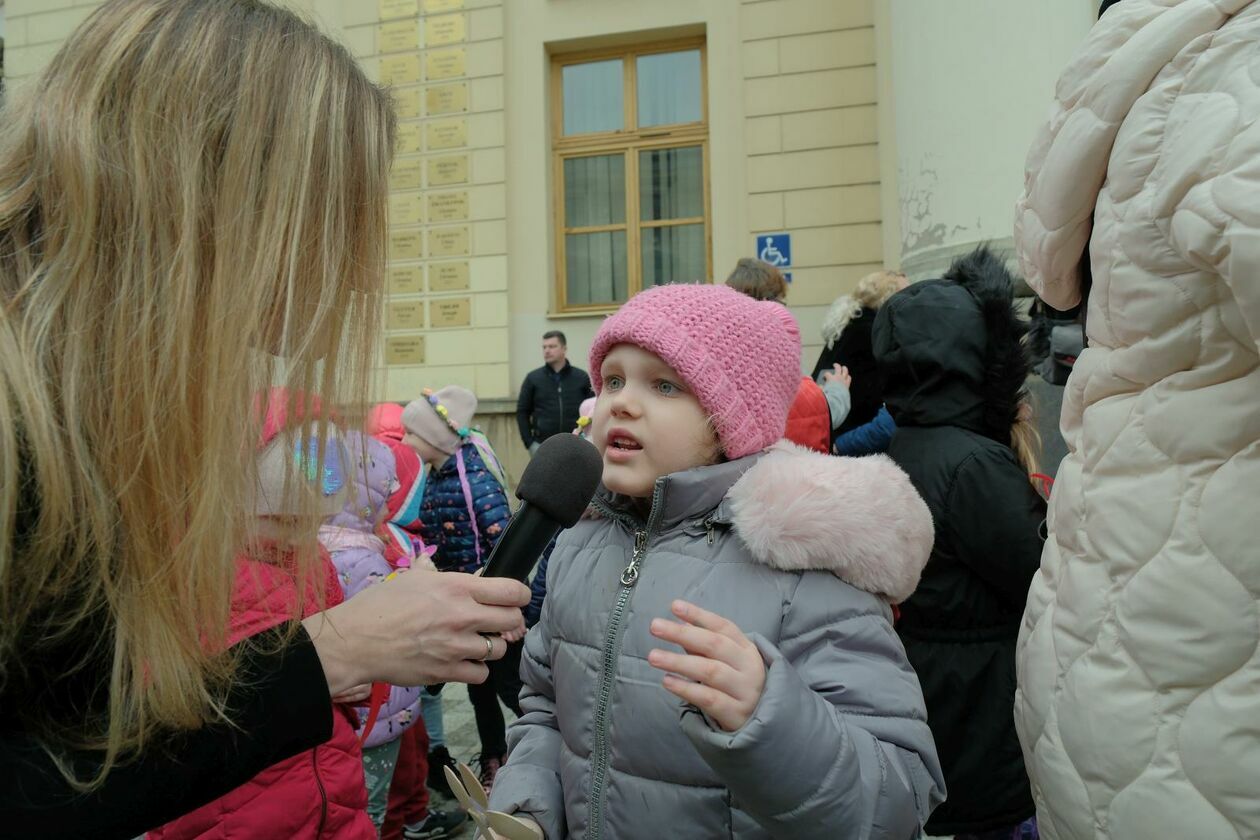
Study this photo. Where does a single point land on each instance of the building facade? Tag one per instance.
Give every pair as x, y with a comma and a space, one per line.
555, 156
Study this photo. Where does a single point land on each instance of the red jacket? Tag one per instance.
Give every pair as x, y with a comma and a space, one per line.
809, 420
317, 795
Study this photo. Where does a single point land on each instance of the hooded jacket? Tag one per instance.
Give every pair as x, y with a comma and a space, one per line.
1140, 649
358, 554
803, 551
954, 367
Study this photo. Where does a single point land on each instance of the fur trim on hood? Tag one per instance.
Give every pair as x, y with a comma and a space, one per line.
1006, 362
859, 518
843, 310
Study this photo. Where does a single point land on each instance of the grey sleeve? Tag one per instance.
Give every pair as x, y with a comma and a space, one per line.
530, 781
839, 401
839, 744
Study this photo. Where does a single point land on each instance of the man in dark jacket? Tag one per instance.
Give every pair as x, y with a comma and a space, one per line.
551, 395
952, 355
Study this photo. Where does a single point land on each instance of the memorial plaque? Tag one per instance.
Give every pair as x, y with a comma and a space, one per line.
405, 175
405, 209
448, 207
399, 36
396, 8
446, 99
405, 315
431, 6
405, 280
408, 138
405, 245
450, 169
445, 29
404, 350
455, 312
407, 103
401, 69
448, 242
446, 134
445, 64
448, 277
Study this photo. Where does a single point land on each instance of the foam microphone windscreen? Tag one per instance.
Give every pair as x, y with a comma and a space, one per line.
561, 478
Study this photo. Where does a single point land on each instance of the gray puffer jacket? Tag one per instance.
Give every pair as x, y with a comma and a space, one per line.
803, 552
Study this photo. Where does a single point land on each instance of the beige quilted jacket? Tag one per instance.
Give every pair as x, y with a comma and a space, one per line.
1139, 668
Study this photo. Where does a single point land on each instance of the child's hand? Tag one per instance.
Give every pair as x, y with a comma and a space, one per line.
727, 669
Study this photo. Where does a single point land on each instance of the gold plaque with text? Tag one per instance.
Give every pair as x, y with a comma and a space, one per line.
405, 315
408, 138
445, 64
449, 169
396, 8
404, 350
405, 175
401, 69
448, 207
446, 99
405, 209
431, 6
446, 134
405, 280
398, 36
448, 242
445, 29
448, 277
455, 312
405, 245
407, 103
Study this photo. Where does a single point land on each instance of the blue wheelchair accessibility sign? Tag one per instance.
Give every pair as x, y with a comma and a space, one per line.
775, 248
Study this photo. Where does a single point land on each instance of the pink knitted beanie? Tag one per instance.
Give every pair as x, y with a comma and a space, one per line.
740, 357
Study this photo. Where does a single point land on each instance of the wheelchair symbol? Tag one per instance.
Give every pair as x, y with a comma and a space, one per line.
771, 254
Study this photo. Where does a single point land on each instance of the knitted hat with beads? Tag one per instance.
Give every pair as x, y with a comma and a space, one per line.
740, 357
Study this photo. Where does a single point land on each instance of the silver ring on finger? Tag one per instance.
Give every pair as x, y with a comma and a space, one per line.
489, 648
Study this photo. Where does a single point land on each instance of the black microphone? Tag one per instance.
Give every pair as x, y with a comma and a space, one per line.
554, 490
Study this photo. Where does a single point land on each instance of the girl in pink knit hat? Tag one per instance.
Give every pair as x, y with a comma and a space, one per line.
715, 656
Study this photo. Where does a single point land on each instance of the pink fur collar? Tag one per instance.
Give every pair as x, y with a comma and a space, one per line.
859, 518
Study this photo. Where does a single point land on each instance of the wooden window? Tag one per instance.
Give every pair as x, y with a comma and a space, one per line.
631, 130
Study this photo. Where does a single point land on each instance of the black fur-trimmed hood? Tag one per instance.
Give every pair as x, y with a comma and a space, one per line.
952, 350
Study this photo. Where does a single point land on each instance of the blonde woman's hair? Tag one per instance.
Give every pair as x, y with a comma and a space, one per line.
871, 292
1026, 442
759, 280
192, 208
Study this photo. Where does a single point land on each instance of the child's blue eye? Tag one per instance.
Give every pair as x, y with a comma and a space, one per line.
614, 382
667, 388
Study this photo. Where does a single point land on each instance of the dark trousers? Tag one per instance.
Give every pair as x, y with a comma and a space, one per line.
504, 683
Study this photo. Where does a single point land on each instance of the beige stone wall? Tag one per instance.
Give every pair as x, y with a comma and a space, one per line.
810, 99
34, 29
448, 199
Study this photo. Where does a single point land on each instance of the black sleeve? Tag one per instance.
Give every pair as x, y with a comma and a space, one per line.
524, 410
279, 705
587, 390
996, 519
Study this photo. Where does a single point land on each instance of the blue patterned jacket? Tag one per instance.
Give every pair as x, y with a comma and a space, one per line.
445, 519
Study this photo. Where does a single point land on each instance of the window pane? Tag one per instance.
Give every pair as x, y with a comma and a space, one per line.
669, 88
593, 97
671, 183
595, 267
595, 190
673, 255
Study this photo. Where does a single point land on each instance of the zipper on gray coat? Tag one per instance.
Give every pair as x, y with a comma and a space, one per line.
611, 653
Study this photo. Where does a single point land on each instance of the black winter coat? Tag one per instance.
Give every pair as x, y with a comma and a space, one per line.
853, 350
549, 401
955, 368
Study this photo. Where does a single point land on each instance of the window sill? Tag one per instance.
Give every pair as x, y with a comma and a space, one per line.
585, 313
